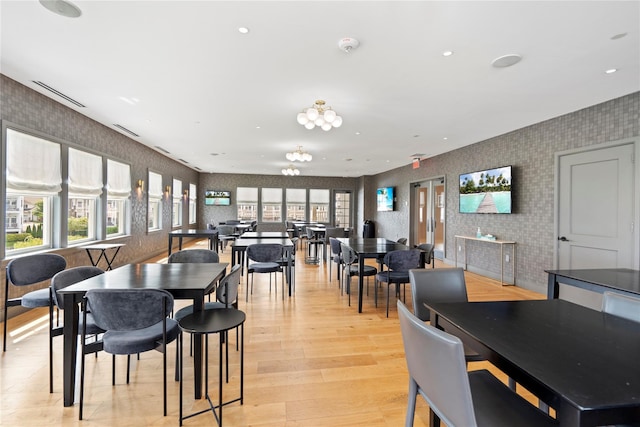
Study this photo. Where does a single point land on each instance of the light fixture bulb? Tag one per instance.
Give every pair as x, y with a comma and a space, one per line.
319, 121
326, 127
337, 122
319, 115
302, 118
329, 116
309, 125
312, 114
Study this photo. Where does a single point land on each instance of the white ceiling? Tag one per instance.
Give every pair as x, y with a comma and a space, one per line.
181, 76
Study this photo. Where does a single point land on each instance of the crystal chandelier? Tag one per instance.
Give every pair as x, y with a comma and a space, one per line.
319, 115
299, 155
291, 171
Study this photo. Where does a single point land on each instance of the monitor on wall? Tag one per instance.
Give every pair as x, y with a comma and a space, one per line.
384, 199
217, 198
486, 191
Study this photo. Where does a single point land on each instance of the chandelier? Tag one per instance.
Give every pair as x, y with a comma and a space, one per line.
299, 155
319, 115
291, 171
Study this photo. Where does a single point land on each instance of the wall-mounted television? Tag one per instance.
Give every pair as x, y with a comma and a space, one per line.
384, 199
486, 191
217, 198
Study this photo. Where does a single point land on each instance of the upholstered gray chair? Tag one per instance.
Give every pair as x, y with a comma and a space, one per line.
264, 258
437, 371
25, 271
398, 263
621, 305
226, 233
427, 254
402, 240
135, 321
60, 281
289, 258
194, 256
352, 268
335, 257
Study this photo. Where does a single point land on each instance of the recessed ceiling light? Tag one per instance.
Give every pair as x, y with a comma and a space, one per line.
243, 30
357, 133
257, 127
447, 53
611, 70
62, 8
445, 138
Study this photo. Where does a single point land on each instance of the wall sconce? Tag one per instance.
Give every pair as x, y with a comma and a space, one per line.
140, 185
185, 193
167, 189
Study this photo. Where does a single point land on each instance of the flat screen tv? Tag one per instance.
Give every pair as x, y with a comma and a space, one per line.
486, 191
217, 198
384, 199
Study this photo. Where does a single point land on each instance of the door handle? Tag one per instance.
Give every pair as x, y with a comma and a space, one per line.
563, 239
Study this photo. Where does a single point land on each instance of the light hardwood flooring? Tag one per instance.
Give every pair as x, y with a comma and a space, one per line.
310, 361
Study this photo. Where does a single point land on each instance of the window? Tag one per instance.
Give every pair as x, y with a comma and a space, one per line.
342, 209
272, 204
319, 205
154, 212
247, 203
34, 178
176, 211
85, 186
118, 192
193, 198
296, 204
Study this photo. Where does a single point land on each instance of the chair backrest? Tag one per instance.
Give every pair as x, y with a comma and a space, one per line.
621, 305
32, 269
211, 226
232, 221
193, 256
427, 248
225, 230
440, 285
335, 246
436, 363
265, 226
69, 277
402, 260
333, 232
348, 255
402, 240
227, 291
265, 252
128, 309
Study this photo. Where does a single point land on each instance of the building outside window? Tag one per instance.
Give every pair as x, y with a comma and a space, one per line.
272, 204
342, 209
118, 192
154, 212
176, 211
296, 204
247, 203
319, 205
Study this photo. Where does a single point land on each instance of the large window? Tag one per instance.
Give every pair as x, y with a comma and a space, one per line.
342, 209
247, 203
272, 204
176, 211
319, 205
296, 204
34, 179
193, 198
118, 192
85, 186
154, 212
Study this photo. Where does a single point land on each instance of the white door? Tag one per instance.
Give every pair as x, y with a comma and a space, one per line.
595, 215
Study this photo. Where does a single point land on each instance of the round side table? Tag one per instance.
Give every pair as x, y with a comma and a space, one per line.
215, 321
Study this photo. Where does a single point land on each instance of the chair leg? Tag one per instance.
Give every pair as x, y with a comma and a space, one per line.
128, 366
50, 343
81, 377
411, 404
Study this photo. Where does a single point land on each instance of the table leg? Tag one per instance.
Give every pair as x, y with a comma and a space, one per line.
360, 282
170, 243
112, 258
553, 289
198, 304
70, 333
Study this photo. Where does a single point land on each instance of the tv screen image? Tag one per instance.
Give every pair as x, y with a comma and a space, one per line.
487, 191
384, 198
217, 198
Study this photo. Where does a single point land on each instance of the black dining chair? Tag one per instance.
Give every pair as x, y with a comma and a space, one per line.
134, 321
25, 271
398, 265
335, 258
427, 254
264, 258
438, 372
351, 268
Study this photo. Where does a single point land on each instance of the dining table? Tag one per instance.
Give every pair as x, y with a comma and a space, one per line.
370, 247
264, 235
212, 235
619, 280
579, 361
183, 280
240, 246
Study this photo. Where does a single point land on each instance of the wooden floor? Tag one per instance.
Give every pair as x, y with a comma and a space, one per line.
310, 360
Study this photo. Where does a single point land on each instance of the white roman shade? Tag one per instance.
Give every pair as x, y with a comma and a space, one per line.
247, 194
272, 195
118, 180
193, 192
319, 196
296, 195
155, 185
177, 189
33, 165
85, 174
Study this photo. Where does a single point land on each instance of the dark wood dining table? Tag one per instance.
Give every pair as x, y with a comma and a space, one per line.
619, 280
183, 281
212, 235
370, 247
264, 235
581, 362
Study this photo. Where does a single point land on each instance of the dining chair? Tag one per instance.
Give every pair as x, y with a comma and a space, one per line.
621, 305
25, 271
289, 258
335, 257
264, 258
193, 256
351, 268
402, 240
314, 242
438, 372
135, 321
60, 281
398, 263
226, 233
427, 254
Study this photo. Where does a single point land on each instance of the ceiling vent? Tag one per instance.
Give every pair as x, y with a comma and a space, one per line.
60, 94
162, 149
124, 129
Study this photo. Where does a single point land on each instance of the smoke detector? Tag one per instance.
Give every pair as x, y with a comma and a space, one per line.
348, 44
